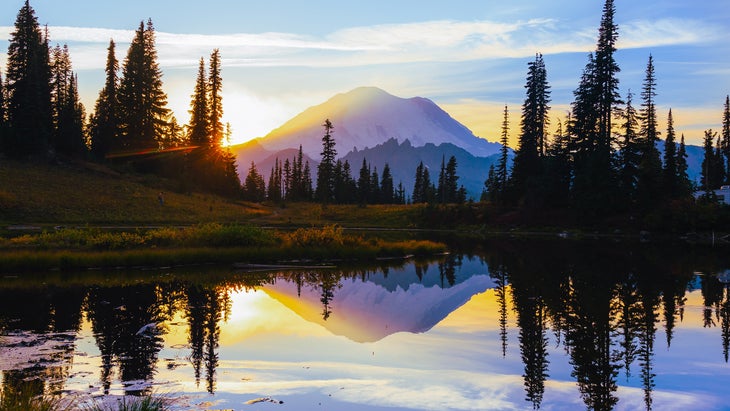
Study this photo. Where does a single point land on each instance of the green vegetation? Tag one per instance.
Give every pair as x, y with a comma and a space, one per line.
24, 400
78, 248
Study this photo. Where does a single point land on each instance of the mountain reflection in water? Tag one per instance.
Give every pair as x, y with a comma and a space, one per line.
505, 325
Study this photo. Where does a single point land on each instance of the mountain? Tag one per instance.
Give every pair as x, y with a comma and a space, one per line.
368, 116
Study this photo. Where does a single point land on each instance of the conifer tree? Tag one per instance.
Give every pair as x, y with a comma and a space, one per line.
215, 87
726, 137
67, 111
28, 88
648, 184
307, 190
254, 188
387, 190
199, 128
671, 173
527, 166
684, 185
708, 172
142, 102
629, 156
419, 186
363, 183
104, 127
326, 168
275, 186
375, 186
501, 172
591, 128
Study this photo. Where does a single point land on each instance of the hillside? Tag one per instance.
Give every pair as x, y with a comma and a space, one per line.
91, 194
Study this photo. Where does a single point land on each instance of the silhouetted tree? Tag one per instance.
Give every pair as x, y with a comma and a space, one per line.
254, 187
215, 100
527, 166
325, 170
648, 184
199, 128
630, 154
684, 185
671, 174
142, 102
104, 125
28, 88
709, 175
387, 191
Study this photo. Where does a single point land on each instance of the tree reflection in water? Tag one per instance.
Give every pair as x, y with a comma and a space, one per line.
602, 303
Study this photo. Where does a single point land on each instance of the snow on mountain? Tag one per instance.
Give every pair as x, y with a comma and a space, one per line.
367, 116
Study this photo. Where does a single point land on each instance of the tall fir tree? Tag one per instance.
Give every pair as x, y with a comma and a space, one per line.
596, 100
28, 88
363, 184
215, 88
199, 128
142, 102
671, 173
326, 168
254, 187
649, 184
630, 155
725, 135
527, 167
67, 111
418, 195
387, 189
502, 172
104, 127
684, 185
708, 173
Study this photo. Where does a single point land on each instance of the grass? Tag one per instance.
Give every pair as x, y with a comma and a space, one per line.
90, 194
25, 401
73, 249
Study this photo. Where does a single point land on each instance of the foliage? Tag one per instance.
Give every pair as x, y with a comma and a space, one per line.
203, 235
25, 400
144, 403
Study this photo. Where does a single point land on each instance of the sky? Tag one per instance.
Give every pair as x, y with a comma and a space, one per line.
470, 57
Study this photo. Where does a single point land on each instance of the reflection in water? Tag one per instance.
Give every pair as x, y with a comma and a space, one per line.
597, 310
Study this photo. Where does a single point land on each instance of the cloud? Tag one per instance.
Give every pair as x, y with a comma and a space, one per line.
429, 41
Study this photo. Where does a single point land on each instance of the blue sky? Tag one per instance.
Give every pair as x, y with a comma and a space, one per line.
470, 57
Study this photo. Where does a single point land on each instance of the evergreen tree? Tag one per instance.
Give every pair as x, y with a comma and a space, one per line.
684, 185
629, 156
491, 187
591, 128
671, 173
199, 128
387, 191
142, 102
3, 114
254, 187
375, 186
363, 184
28, 88
326, 168
174, 135
708, 172
648, 184
441, 189
558, 171
429, 190
452, 179
215, 87
287, 184
726, 137
307, 191
419, 186
501, 172
275, 187
67, 112
527, 166
104, 127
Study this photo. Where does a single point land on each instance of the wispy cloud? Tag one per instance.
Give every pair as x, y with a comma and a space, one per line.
444, 40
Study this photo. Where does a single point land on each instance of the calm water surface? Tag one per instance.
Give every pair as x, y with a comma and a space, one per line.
507, 325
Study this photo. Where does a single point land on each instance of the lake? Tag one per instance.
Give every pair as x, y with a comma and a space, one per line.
495, 325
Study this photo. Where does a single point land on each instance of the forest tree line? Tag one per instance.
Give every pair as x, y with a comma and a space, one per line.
41, 117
